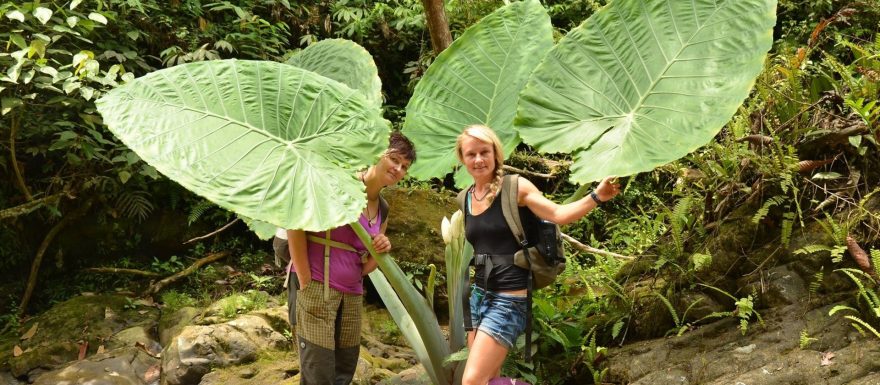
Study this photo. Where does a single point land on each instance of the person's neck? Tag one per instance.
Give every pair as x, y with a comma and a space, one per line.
372, 183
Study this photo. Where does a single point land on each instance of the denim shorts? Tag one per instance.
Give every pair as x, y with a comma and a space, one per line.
501, 316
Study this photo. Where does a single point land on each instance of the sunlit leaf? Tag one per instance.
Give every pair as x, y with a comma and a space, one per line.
15, 15
477, 80
7, 104
43, 14
98, 18
267, 140
344, 61
72, 20
75, 3
642, 83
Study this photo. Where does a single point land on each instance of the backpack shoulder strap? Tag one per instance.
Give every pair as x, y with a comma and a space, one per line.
510, 208
461, 199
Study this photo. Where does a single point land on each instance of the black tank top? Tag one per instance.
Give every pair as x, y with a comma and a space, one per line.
489, 234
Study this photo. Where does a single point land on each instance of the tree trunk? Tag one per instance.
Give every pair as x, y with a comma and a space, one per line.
438, 26
38, 257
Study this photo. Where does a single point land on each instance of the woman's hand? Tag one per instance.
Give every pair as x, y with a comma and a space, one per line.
608, 188
381, 243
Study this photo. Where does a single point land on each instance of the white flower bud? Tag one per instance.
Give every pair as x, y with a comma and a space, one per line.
444, 230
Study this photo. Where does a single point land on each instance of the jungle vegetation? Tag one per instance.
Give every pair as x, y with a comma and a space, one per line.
803, 148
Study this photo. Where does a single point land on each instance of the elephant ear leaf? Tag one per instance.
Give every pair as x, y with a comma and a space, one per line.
267, 140
644, 82
476, 80
344, 61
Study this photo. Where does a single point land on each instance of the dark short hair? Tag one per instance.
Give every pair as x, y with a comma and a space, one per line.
400, 144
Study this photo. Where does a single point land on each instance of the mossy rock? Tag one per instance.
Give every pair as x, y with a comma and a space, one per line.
414, 223
271, 367
61, 330
230, 307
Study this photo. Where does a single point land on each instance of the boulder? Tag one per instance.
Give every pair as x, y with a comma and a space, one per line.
63, 329
124, 366
199, 348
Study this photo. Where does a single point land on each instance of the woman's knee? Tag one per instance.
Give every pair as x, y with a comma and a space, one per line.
473, 378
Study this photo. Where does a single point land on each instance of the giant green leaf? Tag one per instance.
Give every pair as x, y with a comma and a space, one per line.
267, 140
344, 61
476, 80
644, 82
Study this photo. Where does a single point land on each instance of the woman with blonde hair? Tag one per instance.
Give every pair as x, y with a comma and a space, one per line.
498, 304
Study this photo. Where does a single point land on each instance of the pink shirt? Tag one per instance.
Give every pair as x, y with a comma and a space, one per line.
346, 268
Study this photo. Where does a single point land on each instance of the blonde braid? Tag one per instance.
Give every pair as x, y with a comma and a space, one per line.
496, 183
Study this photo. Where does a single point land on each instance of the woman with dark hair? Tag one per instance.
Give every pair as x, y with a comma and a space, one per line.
498, 303
325, 292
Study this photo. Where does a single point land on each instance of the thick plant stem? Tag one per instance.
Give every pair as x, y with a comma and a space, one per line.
19, 179
41, 251
424, 318
438, 26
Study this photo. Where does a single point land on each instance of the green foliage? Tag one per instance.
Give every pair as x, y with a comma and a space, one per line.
673, 99
174, 300
744, 311
805, 339
168, 266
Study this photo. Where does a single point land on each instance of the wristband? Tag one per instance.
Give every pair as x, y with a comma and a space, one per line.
595, 197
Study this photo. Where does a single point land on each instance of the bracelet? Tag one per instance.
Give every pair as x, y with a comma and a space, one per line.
595, 197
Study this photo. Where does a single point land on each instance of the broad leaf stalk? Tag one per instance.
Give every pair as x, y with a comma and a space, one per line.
411, 311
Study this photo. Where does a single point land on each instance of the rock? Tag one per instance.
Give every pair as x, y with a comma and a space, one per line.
61, 330
170, 325
412, 376
6, 378
778, 286
134, 336
232, 306
271, 368
199, 348
717, 353
414, 226
125, 366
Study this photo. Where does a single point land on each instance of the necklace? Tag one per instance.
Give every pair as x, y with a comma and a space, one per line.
474, 194
371, 219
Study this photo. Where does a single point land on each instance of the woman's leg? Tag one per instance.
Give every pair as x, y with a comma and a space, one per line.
484, 360
348, 338
315, 334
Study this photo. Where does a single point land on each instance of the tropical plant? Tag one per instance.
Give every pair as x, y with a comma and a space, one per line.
188, 119
476, 80
638, 85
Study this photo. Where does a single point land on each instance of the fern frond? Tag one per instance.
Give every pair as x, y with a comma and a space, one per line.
875, 260
810, 249
134, 204
765, 208
678, 220
863, 323
616, 328
805, 339
838, 308
669, 307
787, 223
198, 210
818, 278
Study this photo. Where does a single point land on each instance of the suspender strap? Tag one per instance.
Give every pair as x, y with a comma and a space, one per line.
327, 267
327, 242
